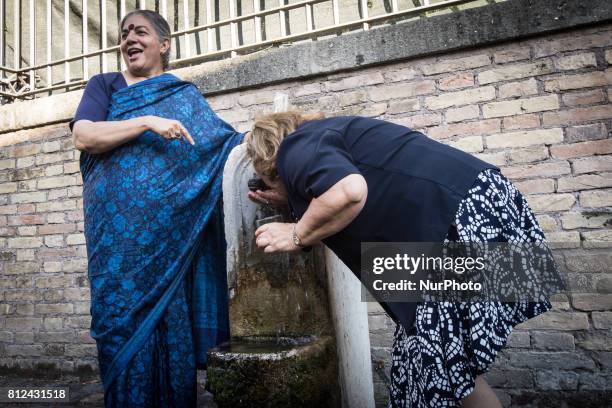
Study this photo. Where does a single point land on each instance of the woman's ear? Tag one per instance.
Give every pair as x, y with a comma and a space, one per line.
165, 46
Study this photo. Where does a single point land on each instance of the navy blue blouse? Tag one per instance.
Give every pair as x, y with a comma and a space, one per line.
414, 183
96, 97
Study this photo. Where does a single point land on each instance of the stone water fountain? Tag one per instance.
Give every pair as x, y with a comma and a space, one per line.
283, 351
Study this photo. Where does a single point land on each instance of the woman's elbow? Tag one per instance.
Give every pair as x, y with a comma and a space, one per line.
80, 138
355, 189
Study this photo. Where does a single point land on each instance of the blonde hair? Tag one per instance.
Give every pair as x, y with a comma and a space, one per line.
267, 134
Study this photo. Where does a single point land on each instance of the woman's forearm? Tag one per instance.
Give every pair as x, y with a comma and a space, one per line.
333, 210
100, 137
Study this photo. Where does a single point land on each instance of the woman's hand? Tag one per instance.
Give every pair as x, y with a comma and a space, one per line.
275, 237
168, 128
268, 197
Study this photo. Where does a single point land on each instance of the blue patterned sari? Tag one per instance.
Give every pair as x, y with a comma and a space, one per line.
155, 247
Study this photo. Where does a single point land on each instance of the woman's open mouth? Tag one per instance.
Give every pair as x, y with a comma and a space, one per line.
133, 54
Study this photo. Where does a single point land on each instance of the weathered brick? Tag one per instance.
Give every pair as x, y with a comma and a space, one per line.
592, 164
29, 219
584, 133
602, 320
609, 56
536, 186
511, 55
546, 222
402, 74
23, 162
25, 255
53, 206
516, 71
53, 146
36, 197
585, 182
589, 262
75, 239
402, 106
355, 81
462, 80
591, 148
521, 88
520, 106
54, 308
573, 220
551, 202
553, 341
53, 323
54, 170
576, 61
52, 266
27, 174
7, 164
592, 301
24, 309
22, 323
77, 265
21, 267
583, 98
556, 380
257, 97
577, 116
596, 199
459, 98
519, 339
588, 80
557, 321
25, 350
6, 188
53, 282
550, 360
463, 113
29, 242
457, 64
528, 154
24, 150
419, 121
71, 167
497, 159
563, 239
469, 144
597, 239
509, 378
571, 42
352, 98
595, 381
483, 127
8, 209
406, 90
26, 231
545, 169
57, 193
56, 229
54, 241
524, 138
55, 337
49, 158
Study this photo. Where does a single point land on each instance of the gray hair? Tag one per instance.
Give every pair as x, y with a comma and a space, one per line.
161, 26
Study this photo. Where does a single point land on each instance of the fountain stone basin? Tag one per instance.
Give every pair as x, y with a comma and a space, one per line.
274, 372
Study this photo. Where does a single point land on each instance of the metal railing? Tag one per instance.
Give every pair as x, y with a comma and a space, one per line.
33, 61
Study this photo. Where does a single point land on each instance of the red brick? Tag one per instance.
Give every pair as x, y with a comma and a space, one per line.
588, 80
458, 64
584, 98
24, 150
577, 116
511, 55
33, 219
56, 229
581, 149
538, 186
419, 121
523, 88
527, 121
584, 182
516, 71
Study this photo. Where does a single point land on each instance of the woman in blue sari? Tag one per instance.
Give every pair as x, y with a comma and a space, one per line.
152, 155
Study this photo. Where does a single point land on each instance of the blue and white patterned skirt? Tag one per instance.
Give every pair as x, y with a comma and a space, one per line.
456, 342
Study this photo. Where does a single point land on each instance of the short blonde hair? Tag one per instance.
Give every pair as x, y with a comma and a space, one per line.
267, 134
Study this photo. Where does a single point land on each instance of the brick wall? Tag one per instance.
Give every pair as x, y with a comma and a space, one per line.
539, 108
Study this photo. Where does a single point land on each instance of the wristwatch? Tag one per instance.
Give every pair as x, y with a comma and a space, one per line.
294, 237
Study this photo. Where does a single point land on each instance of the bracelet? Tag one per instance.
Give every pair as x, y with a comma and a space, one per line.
294, 237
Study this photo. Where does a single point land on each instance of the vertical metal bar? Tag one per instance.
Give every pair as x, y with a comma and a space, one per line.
281, 17
233, 33
257, 22
364, 14
393, 6
17, 34
103, 33
122, 14
49, 33
209, 21
186, 27
2, 37
336, 12
85, 41
66, 41
122, 8
32, 61
426, 2
164, 9
143, 4
309, 17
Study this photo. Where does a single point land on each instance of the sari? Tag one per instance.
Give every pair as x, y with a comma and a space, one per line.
155, 247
